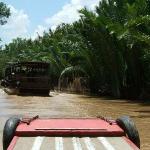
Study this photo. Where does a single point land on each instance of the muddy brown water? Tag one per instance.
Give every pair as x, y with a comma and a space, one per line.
73, 105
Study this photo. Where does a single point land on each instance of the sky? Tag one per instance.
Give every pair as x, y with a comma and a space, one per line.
31, 17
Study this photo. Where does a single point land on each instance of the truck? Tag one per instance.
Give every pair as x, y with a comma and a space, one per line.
70, 134
32, 77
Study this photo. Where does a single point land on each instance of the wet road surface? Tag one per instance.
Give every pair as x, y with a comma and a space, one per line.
72, 105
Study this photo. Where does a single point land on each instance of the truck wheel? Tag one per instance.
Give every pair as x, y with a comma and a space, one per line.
9, 131
130, 129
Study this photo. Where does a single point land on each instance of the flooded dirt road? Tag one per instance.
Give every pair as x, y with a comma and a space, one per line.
72, 105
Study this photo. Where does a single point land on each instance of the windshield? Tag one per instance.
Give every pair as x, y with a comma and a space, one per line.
27, 70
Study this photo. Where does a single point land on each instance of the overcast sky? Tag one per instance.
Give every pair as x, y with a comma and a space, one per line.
29, 17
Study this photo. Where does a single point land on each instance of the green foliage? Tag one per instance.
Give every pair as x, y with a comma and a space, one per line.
111, 46
4, 13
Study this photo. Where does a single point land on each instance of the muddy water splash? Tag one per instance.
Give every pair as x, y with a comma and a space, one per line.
71, 105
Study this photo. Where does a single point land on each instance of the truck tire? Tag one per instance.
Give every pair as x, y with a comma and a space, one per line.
9, 131
130, 129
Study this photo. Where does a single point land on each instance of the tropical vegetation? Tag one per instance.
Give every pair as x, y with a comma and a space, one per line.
110, 46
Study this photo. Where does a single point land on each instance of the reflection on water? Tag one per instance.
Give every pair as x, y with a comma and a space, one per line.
71, 105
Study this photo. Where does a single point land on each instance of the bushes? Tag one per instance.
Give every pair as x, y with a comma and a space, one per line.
111, 45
